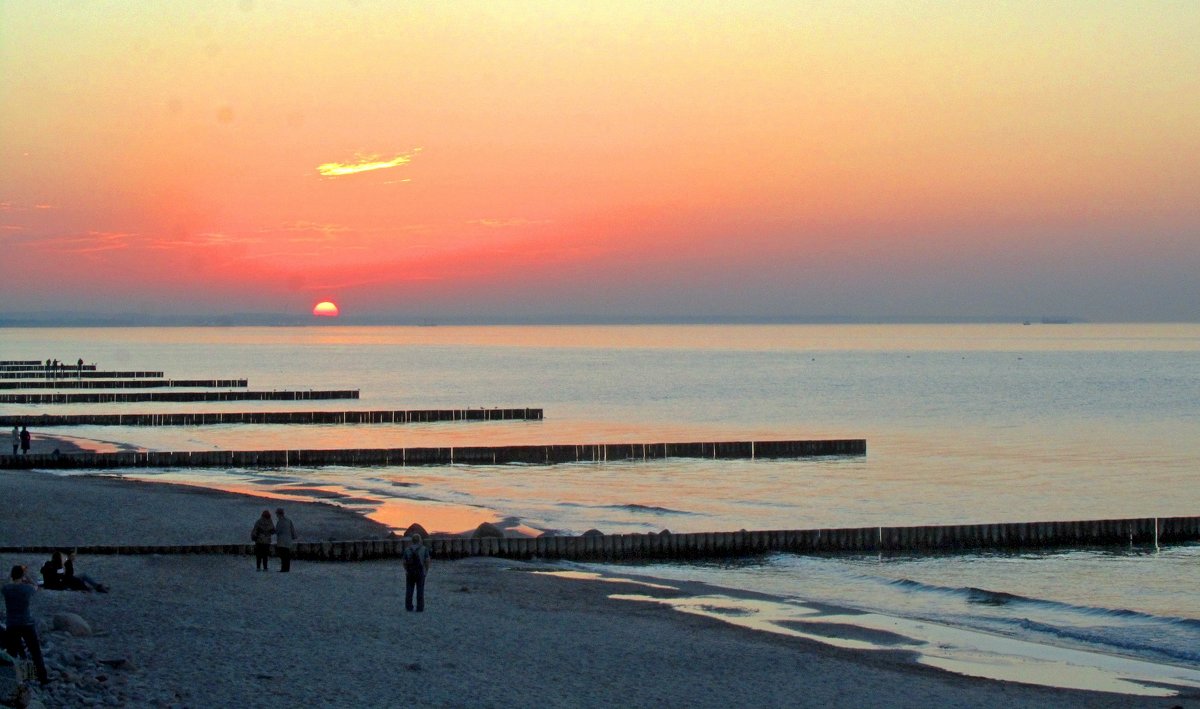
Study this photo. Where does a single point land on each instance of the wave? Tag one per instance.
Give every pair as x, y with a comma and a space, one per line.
1123, 630
1156, 643
1000, 598
652, 509
631, 507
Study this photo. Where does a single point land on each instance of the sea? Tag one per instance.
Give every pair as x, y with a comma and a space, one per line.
969, 423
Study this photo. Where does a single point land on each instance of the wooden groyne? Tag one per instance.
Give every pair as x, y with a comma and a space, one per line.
106, 374
61, 368
1146, 531
465, 455
176, 396
273, 417
125, 384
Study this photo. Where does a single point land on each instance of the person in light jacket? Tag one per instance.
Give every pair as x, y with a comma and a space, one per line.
261, 536
285, 540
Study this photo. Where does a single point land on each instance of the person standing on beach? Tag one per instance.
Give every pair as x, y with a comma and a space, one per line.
24, 440
416, 566
21, 630
16, 439
285, 538
261, 536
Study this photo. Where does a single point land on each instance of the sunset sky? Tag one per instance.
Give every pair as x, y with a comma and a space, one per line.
559, 160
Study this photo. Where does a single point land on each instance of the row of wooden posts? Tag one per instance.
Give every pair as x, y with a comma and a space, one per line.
273, 417
1149, 531
63, 375
125, 384
12, 365
451, 455
177, 396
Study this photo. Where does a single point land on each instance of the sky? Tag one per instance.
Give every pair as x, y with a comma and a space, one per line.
577, 160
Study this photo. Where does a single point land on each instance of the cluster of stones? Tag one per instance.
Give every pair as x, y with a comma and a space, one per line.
80, 676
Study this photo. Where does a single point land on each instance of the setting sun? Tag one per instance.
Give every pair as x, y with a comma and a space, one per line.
326, 309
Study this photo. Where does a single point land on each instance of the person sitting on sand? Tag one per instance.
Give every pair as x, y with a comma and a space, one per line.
80, 582
261, 536
21, 630
54, 574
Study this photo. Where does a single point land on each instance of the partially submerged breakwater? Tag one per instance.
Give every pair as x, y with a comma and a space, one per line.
124, 384
450, 455
274, 417
177, 396
1147, 531
76, 375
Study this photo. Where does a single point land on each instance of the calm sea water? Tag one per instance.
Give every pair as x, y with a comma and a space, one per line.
965, 423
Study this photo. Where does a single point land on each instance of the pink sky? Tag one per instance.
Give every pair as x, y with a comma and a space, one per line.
561, 159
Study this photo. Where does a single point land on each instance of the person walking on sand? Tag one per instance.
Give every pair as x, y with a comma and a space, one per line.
285, 539
21, 630
261, 536
24, 440
16, 439
416, 566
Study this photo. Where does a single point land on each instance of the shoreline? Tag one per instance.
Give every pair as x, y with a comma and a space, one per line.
172, 619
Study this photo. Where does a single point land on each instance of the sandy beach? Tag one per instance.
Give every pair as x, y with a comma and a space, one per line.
208, 631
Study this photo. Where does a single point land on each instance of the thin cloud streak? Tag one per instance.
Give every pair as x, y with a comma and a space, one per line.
363, 164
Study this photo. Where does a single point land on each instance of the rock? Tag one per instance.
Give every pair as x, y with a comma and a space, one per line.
416, 528
73, 624
121, 663
592, 533
487, 529
665, 533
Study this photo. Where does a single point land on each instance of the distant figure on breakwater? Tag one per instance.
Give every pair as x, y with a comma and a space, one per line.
22, 630
24, 440
16, 439
79, 368
261, 536
416, 566
285, 539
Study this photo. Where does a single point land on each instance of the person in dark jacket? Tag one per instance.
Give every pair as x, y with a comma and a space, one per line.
24, 440
54, 574
80, 582
261, 536
416, 566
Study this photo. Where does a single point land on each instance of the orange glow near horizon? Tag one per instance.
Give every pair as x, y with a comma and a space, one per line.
326, 309
623, 159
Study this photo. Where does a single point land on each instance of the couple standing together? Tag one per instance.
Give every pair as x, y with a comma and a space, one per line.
285, 539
